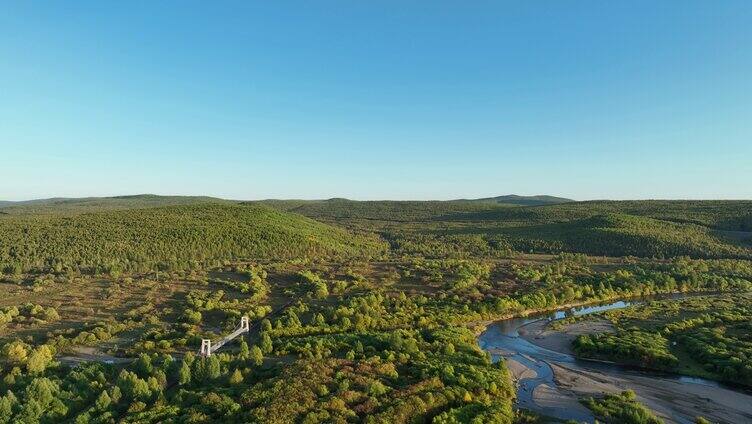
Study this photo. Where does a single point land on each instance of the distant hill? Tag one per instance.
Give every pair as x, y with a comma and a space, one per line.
513, 199
622, 235
341, 210
337, 209
731, 215
661, 228
95, 204
171, 237
431, 207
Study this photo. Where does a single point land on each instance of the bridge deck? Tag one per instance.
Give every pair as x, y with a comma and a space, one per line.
227, 339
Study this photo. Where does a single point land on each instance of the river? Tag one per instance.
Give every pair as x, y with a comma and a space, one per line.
552, 382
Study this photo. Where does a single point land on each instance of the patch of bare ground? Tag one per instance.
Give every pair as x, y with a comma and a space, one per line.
560, 340
82, 354
674, 401
518, 370
550, 398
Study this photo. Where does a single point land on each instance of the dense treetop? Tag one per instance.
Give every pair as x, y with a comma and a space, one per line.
169, 237
705, 336
649, 228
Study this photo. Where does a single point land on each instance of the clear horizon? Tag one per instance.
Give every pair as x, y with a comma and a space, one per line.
366, 199
388, 101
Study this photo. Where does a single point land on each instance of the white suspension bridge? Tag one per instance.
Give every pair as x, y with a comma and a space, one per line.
207, 347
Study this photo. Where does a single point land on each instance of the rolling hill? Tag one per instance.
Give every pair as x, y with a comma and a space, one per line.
730, 215
94, 204
169, 237
623, 235
343, 210
513, 199
648, 228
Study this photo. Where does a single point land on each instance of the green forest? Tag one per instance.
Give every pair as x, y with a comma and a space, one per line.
653, 229
621, 408
166, 238
359, 311
707, 336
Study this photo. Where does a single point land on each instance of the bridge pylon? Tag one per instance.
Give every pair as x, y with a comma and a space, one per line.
206, 349
245, 324
206, 345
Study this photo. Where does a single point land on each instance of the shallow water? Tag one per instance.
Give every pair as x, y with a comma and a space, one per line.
502, 339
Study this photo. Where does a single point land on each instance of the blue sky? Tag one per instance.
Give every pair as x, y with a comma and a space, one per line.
376, 100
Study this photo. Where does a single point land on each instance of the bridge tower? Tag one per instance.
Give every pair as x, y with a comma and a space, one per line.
244, 324
206, 344
205, 347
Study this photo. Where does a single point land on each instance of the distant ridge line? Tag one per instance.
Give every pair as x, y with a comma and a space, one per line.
514, 199
505, 199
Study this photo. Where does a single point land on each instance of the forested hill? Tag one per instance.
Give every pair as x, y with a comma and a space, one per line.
95, 204
731, 215
406, 210
654, 228
513, 199
169, 237
342, 210
649, 228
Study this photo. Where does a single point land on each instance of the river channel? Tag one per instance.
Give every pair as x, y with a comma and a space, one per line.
553, 381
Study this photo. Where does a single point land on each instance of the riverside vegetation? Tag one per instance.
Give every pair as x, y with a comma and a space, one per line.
360, 311
703, 336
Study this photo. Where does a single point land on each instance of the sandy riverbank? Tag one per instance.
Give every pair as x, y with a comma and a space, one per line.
672, 400
519, 371
540, 333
